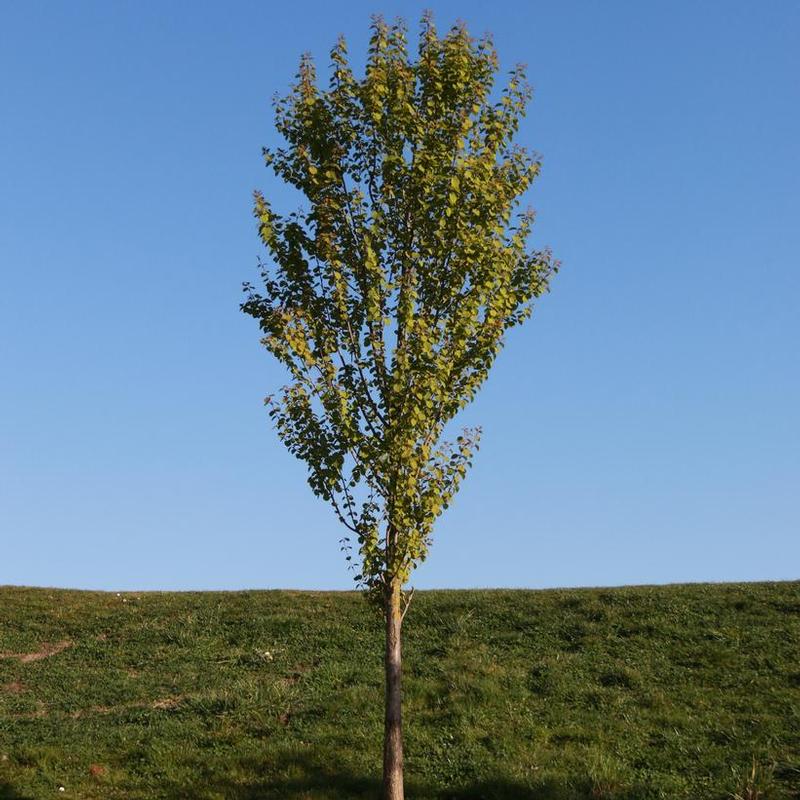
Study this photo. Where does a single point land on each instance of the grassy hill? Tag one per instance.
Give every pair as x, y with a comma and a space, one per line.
643, 692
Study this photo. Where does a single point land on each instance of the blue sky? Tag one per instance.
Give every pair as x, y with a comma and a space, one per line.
644, 427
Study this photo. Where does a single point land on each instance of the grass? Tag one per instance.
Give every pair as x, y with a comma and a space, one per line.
618, 694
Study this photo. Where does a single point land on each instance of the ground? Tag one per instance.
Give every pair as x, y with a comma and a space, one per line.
625, 694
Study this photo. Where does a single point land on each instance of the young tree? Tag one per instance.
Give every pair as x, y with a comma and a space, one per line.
387, 298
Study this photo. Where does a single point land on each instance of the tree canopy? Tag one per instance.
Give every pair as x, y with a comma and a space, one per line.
388, 295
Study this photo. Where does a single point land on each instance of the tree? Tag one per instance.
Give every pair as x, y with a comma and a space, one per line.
388, 296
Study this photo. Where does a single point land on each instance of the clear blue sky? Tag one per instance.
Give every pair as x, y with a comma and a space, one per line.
644, 427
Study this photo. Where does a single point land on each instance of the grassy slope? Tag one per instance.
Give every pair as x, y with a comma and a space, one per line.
642, 692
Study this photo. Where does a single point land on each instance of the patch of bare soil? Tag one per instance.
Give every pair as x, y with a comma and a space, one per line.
45, 651
162, 704
94, 710
167, 702
41, 711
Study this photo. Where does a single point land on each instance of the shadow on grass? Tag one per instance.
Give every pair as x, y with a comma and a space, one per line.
302, 779
341, 786
8, 792
311, 781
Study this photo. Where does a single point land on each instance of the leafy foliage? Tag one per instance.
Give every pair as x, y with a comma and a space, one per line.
388, 297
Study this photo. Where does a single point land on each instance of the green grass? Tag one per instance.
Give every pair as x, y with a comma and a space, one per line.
644, 692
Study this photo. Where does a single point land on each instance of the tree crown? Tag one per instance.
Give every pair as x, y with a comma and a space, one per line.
388, 296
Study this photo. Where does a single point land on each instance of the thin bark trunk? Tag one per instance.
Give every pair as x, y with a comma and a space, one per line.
393, 727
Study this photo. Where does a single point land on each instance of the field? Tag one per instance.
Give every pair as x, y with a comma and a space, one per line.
643, 692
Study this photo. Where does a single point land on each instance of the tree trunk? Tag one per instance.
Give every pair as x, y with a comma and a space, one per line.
393, 726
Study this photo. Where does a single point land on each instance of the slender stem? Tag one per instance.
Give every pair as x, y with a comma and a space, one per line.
393, 727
